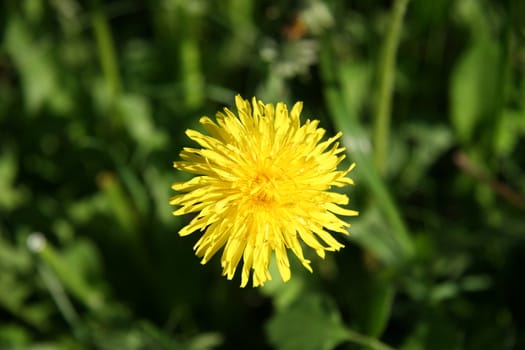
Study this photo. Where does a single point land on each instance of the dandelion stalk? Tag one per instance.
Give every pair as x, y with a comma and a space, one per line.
385, 89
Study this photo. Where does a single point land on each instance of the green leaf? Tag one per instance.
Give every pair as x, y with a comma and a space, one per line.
71, 268
430, 141
12, 335
379, 308
312, 323
34, 57
12, 196
355, 85
474, 87
373, 232
16, 279
512, 126
135, 112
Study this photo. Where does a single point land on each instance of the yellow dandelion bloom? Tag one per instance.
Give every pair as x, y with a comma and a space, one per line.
263, 187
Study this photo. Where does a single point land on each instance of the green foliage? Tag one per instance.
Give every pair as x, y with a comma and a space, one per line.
95, 97
310, 323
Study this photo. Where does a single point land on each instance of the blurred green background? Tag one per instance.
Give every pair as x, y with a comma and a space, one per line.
95, 97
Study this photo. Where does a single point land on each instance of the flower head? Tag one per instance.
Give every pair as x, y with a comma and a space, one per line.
263, 187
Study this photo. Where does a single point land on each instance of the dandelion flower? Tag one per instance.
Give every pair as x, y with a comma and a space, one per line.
262, 187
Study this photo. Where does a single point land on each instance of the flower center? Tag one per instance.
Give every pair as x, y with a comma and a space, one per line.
263, 190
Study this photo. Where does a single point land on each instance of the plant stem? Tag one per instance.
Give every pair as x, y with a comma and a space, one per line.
371, 343
346, 120
59, 296
107, 56
386, 84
